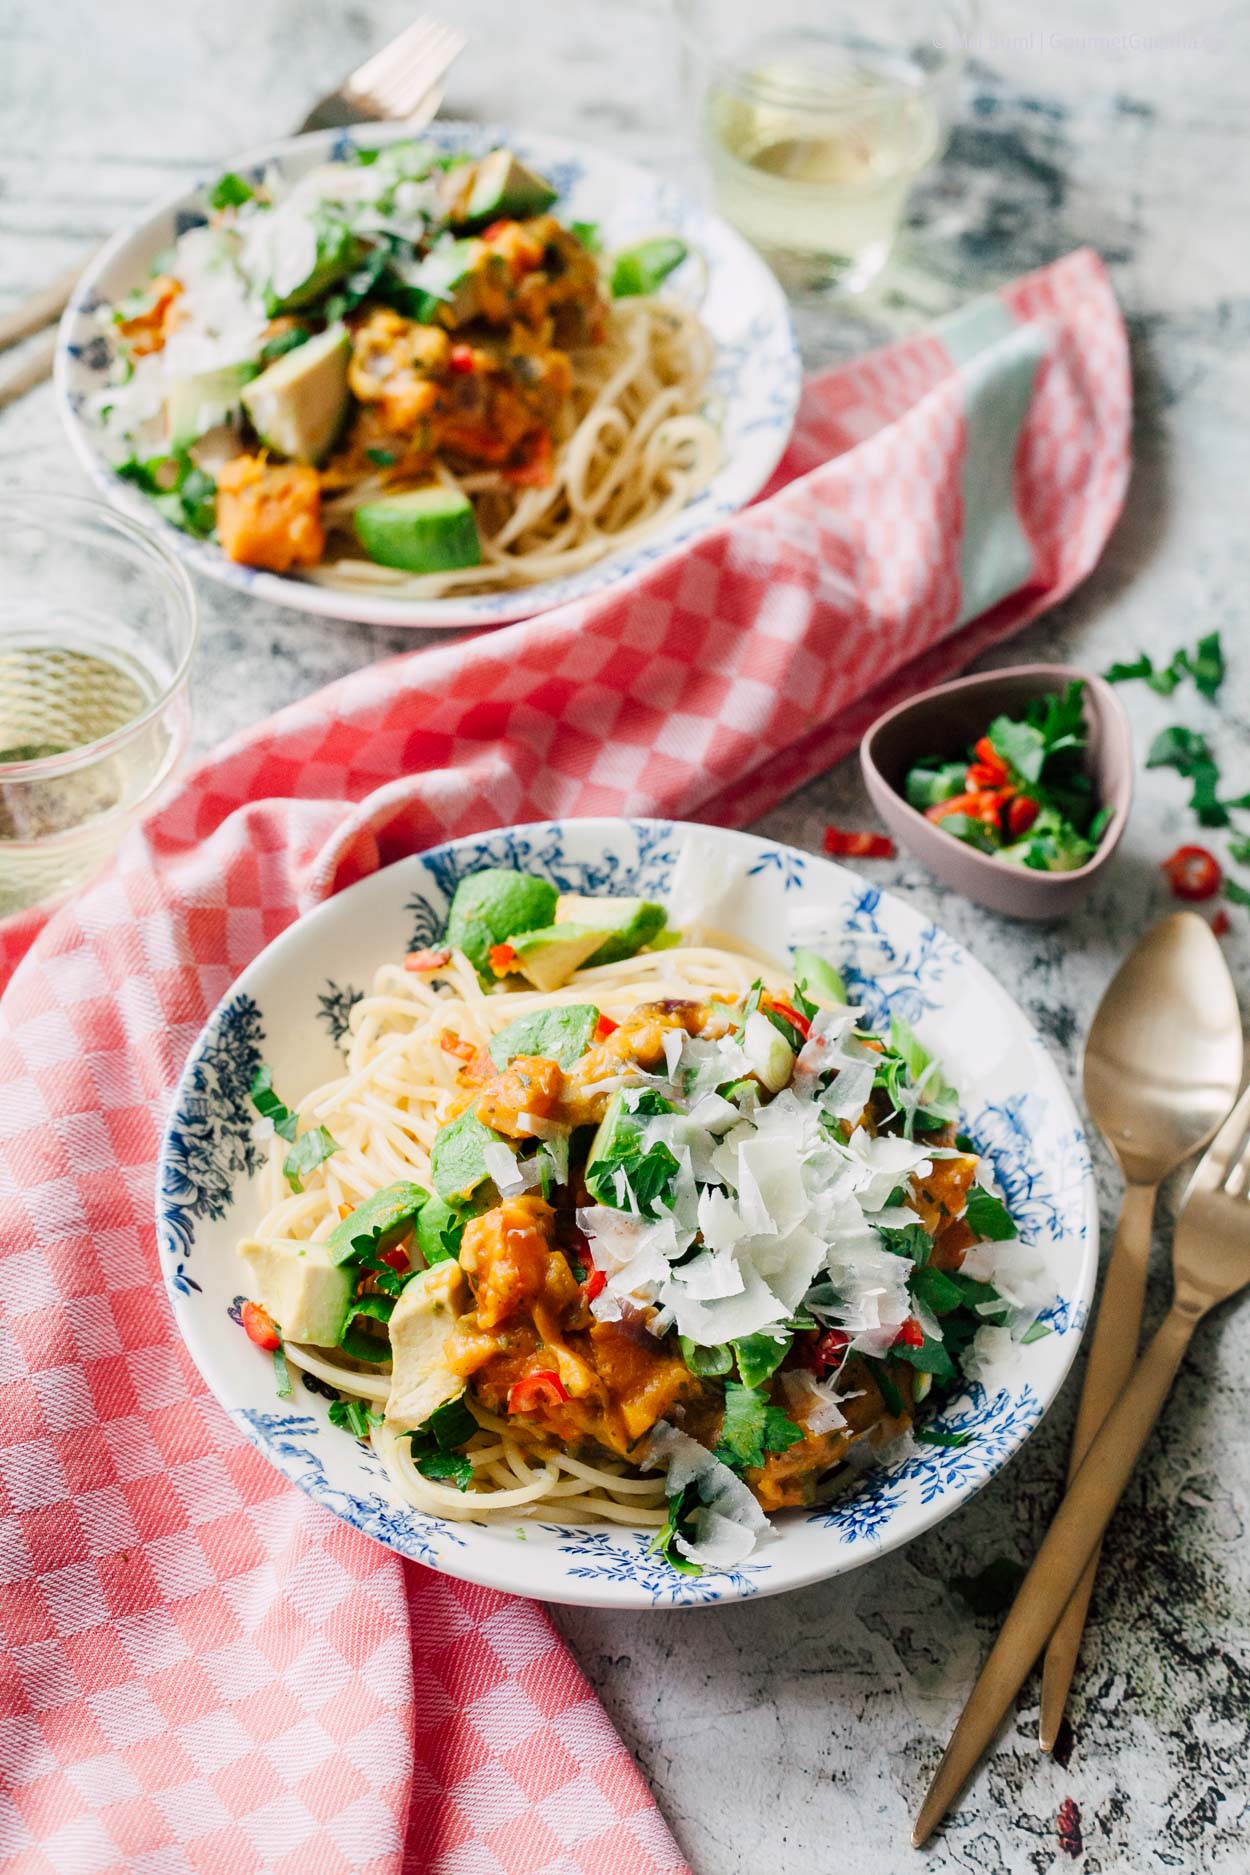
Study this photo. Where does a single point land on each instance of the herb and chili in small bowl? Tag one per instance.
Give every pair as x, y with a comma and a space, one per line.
1013, 787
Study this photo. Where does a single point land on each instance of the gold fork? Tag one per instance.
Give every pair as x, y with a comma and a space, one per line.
1210, 1263
403, 82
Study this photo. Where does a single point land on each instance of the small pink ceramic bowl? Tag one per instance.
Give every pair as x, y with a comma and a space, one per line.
944, 723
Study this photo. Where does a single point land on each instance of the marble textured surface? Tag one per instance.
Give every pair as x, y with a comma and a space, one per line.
801, 1731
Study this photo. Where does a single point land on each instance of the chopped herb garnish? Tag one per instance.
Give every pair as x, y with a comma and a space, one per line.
283, 342
353, 1416
281, 1373
931, 1435
230, 191
752, 1428
309, 1150
267, 1104
1190, 755
1205, 664
988, 1216
587, 232
437, 1445
679, 1522
357, 1342
382, 458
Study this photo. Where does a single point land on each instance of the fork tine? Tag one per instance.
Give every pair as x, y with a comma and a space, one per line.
395, 81
413, 37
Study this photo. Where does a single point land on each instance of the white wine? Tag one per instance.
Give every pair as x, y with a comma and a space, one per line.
60, 816
813, 161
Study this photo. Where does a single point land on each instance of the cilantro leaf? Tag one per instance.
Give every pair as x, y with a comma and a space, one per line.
353, 1416
307, 1152
931, 1357
678, 1522
354, 1341
230, 191
382, 458
759, 1357
1206, 664
935, 1290
752, 1428
1123, 673
1239, 849
1021, 745
266, 1103
912, 1242
451, 1425
1236, 893
446, 1468
988, 1216
1189, 754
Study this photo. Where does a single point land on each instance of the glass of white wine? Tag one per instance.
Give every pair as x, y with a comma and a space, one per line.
816, 117
98, 624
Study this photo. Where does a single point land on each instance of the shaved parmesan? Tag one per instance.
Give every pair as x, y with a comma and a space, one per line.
817, 1402
706, 873
502, 1167
725, 1500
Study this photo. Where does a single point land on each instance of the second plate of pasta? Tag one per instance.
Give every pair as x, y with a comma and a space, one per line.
560, 366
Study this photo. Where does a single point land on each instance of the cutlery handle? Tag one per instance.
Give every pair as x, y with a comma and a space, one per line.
1069, 1543
32, 368
1113, 1349
41, 308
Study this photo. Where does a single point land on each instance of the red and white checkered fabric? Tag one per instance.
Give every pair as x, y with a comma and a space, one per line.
202, 1671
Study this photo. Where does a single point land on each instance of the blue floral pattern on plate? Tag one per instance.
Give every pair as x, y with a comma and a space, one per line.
742, 306
289, 1008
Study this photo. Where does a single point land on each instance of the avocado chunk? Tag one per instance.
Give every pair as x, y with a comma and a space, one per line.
378, 1224
338, 251
819, 979
297, 405
202, 401
503, 186
493, 906
549, 957
619, 1139
308, 1295
627, 923
447, 278
425, 530
423, 1318
561, 1035
457, 1166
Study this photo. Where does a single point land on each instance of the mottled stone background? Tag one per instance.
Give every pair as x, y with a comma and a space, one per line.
799, 1732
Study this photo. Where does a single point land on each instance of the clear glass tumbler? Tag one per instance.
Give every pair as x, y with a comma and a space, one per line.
817, 116
98, 624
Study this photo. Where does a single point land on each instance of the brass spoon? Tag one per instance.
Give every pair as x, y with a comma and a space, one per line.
1210, 1264
1162, 1068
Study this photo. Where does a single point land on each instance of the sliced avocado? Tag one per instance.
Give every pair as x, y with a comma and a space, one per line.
448, 279
426, 530
628, 923
492, 906
378, 1224
759, 1357
423, 1318
644, 268
307, 1294
297, 405
202, 401
503, 186
457, 1166
338, 252
548, 958
619, 1133
561, 1035
819, 979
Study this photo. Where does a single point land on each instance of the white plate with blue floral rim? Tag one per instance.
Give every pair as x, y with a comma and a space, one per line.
290, 1007
756, 377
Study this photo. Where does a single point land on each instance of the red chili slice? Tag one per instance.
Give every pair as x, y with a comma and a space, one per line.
792, 1016
829, 1349
460, 360
988, 757
595, 1285
605, 1027
544, 1388
258, 1326
1193, 873
911, 1334
1221, 924
985, 805
502, 958
396, 1259
496, 227
1021, 813
423, 961
453, 1044
842, 843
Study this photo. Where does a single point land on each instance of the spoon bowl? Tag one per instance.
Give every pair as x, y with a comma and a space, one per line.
1164, 1056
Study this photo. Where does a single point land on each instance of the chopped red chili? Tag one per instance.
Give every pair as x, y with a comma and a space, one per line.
544, 1388
595, 1284
502, 958
829, 1349
1221, 924
423, 961
258, 1326
1193, 873
989, 759
911, 1334
985, 805
791, 1015
605, 1027
453, 1044
460, 359
842, 843
1021, 813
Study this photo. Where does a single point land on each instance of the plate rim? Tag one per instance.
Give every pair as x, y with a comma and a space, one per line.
485, 1568
326, 602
